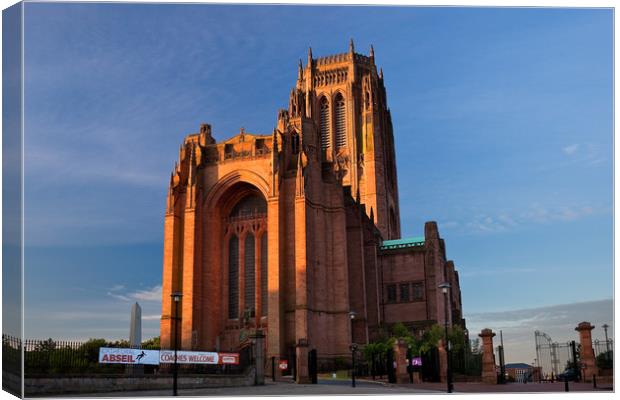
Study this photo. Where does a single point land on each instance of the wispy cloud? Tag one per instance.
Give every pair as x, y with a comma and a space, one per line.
570, 150
151, 295
505, 221
119, 296
494, 271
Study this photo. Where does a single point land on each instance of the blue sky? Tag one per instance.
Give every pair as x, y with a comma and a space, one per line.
502, 121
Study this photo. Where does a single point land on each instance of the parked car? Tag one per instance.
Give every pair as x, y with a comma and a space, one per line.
570, 374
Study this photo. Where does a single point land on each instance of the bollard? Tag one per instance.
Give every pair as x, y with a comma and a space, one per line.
594, 381
273, 369
566, 384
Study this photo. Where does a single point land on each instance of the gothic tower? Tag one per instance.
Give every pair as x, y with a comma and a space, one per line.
345, 96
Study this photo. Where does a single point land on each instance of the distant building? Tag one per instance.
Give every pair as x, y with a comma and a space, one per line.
521, 372
291, 231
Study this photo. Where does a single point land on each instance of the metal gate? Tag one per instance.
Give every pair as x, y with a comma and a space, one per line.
312, 366
430, 365
552, 357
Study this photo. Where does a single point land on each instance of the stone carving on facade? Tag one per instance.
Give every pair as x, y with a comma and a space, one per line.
342, 163
297, 104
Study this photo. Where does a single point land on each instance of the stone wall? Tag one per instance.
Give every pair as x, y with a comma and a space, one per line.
101, 384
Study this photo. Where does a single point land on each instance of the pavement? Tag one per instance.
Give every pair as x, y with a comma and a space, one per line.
279, 388
363, 387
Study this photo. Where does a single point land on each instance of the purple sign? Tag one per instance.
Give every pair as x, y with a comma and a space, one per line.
416, 361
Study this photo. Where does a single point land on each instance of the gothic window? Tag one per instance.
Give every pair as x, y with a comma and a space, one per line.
340, 116
324, 123
417, 291
295, 143
391, 293
253, 204
233, 277
263, 274
404, 292
249, 273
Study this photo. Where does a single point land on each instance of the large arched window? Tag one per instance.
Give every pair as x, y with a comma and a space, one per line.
249, 274
245, 220
253, 204
340, 119
324, 117
263, 274
233, 277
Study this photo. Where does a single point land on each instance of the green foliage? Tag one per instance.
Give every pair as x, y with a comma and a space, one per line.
399, 330
46, 345
431, 337
123, 343
456, 335
152, 343
605, 360
89, 350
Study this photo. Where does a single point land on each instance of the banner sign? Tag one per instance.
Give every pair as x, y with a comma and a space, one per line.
198, 357
188, 357
416, 361
110, 355
229, 358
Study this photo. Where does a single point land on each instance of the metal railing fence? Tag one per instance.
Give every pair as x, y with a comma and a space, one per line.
60, 357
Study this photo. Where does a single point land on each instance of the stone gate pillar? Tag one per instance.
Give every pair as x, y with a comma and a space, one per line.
303, 374
443, 361
259, 356
488, 357
400, 356
586, 353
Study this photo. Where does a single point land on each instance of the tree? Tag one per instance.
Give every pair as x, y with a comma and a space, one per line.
475, 346
46, 345
605, 360
123, 343
90, 349
400, 331
431, 337
152, 343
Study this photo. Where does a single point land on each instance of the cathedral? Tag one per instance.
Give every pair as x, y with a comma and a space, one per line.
296, 233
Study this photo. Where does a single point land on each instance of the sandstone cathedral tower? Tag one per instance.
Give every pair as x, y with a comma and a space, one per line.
290, 232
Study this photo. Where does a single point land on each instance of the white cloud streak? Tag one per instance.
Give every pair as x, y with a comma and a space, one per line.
535, 214
147, 295
570, 150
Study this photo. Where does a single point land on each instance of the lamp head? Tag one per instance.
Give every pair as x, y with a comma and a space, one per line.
352, 315
444, 287
176, 296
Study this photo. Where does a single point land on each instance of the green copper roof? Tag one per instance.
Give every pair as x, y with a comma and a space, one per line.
402, 243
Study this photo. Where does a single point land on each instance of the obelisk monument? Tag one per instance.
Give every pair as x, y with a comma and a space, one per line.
135, 337
135, 327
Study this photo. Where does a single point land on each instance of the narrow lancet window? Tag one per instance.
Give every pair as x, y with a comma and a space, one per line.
263, 274
249, 273
324, 116
233, 277
340, 119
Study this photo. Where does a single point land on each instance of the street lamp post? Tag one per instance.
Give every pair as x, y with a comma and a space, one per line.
605, 326
176, 298
444, 288
353, 347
